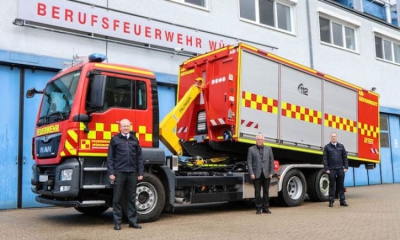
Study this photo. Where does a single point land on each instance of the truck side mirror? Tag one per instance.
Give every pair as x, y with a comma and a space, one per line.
31, 92
98, 91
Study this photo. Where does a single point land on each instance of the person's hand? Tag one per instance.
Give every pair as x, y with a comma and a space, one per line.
252, 176
327, 171
112, 177
270, 176
140, 178
345, 170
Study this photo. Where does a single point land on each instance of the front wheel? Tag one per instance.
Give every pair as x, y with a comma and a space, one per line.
293, 189
150, 198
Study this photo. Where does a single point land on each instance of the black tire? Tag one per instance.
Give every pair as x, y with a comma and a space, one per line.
318, 186
97, 210
150, 199
293, 189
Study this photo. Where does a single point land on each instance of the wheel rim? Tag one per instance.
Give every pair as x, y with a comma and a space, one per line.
294, 187
146, 197
324, 185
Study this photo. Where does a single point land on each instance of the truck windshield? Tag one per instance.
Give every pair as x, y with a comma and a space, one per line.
58, 99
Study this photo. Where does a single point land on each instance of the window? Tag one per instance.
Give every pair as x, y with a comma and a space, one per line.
387, 49
199, 3
58, 98
273, 13
337, 33
124, 93
384, 130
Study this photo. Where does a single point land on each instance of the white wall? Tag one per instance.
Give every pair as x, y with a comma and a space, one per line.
360, 68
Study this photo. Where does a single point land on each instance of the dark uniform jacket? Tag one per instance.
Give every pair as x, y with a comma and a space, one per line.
125, 155
335, 157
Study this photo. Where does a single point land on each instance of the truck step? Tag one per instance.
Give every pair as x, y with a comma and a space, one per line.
94, 186
95, 169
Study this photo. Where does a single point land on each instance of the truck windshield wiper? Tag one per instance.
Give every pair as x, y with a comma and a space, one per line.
59, 116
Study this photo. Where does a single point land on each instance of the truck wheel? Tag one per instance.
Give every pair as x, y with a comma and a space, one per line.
92, 210
318, 186
150, 198
293, 189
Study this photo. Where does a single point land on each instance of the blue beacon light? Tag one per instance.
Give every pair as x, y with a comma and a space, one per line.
97, 57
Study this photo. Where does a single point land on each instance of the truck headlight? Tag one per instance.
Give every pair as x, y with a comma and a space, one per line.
66, 174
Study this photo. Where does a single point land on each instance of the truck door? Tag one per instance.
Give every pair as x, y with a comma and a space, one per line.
125, 97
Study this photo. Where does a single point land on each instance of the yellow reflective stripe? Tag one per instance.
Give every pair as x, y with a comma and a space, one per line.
132, 70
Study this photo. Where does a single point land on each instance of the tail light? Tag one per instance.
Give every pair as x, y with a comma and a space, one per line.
277, 166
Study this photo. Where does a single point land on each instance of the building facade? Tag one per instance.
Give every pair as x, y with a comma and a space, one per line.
354, 40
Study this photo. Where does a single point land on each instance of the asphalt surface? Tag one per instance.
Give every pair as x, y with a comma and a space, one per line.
373, 213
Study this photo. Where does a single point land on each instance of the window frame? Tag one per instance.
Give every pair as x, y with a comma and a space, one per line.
344, 26
114, 97
384, 131
183, 2
393, 46
291, 4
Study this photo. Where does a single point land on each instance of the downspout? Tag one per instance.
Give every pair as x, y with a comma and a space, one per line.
310, 42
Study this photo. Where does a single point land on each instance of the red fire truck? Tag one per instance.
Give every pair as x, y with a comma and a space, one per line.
225, 98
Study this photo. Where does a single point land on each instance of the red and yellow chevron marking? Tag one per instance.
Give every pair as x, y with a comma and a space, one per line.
259, 102
100, 136
71, 144
301, 113
142, 134
368, 130
340, 123
101, 131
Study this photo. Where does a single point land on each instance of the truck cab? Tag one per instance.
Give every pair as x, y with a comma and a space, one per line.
80, 112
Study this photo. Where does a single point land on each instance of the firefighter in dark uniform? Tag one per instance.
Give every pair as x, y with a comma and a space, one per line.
336, 165
125, 168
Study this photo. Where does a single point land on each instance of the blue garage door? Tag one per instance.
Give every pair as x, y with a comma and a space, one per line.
394, 122
9, 92
33, 79
166, 100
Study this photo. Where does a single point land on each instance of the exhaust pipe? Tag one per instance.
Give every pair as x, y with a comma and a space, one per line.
180, 200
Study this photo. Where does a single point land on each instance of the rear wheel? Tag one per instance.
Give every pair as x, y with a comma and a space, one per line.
97, 210
293, 189
318, 186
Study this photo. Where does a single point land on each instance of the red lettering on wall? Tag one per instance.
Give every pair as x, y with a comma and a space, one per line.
115, 24
137, 29
41, 9
93, 20
189, 40
198, 42
55, 12
68, 15
157, 34
126, 27
147, 32
169, 36
180, 37
82, 18
105, 24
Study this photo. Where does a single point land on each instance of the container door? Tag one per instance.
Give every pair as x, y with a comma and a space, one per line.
38, 80
9, 91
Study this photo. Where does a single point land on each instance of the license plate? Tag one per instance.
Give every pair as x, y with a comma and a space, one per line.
43, 178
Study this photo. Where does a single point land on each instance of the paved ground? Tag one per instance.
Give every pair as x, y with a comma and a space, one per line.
374, 213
